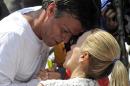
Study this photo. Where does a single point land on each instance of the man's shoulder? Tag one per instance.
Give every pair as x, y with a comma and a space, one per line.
28, 9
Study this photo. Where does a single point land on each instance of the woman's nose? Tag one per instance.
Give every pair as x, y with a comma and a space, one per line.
73, 46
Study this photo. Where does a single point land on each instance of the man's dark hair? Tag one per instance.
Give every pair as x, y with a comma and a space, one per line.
86, 11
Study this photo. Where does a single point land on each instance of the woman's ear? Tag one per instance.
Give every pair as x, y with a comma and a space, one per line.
84, 58
51, 9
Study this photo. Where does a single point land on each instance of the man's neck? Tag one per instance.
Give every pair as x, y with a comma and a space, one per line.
33, 20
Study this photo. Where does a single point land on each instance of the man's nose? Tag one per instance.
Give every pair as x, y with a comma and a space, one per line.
66, 39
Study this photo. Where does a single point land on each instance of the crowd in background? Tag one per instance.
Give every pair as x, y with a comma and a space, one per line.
9, 6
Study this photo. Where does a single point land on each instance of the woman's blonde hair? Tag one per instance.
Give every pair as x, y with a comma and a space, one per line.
104, 51
119, 75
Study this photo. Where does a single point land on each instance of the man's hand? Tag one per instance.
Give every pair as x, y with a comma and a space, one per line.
45, 74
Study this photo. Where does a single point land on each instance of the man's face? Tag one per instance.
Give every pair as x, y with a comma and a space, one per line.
60, 29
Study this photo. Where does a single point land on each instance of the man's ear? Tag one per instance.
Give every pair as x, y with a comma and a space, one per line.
48, 12
51, 9
84, 58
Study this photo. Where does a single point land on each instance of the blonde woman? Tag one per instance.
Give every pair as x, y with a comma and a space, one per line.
94, 56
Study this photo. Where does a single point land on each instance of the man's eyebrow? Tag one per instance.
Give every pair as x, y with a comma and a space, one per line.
68, 29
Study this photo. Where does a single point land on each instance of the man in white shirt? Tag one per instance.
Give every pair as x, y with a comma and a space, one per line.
27, 34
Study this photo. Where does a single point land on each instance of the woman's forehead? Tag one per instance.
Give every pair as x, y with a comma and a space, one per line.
82, 38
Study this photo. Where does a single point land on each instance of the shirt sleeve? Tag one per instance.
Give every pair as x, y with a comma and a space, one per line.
9, 61
8, 82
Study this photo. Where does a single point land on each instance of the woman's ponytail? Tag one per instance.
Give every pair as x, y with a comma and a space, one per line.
119, 75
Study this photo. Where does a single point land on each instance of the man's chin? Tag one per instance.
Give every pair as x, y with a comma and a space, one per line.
51, 44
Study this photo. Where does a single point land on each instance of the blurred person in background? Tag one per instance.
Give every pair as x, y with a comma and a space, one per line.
3, 10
